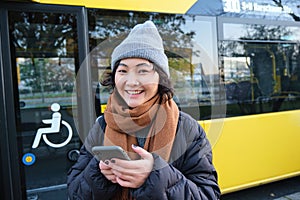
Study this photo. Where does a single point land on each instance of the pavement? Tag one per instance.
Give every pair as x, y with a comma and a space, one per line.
295, 196
288, 189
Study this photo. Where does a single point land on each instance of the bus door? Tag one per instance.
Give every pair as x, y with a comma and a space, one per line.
46, 54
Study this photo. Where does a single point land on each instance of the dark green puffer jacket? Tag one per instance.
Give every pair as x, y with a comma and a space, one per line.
188, 175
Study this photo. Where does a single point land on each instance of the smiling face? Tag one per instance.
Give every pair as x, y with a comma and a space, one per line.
136, 81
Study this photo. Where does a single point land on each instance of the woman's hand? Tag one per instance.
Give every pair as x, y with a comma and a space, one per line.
126, 173
106, 171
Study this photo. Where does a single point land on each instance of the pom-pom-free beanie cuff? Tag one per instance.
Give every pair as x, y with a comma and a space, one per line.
153, 55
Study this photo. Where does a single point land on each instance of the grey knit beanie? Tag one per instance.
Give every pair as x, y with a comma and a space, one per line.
145, 42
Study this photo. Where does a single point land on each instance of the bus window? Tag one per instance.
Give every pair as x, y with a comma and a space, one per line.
261, 68
189, 43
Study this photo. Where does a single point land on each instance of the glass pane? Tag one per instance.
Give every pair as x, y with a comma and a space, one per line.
45, 55
261, 77
189, 43
260, 32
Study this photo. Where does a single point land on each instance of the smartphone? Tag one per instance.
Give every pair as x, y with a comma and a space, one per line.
109, 152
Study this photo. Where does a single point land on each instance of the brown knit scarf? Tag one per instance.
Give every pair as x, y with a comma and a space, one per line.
123, 122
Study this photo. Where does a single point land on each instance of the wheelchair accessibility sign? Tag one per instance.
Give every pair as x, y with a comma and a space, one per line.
54, 128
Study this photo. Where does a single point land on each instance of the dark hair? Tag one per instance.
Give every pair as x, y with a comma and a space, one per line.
165, 87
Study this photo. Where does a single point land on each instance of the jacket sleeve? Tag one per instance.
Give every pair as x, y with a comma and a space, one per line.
85, 181
192, 176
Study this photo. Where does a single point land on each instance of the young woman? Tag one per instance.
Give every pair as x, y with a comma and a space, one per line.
170, 155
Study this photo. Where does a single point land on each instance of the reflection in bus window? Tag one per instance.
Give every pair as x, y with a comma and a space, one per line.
189, 44
43, 79
261, 75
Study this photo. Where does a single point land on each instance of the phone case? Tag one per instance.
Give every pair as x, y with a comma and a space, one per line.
109, 152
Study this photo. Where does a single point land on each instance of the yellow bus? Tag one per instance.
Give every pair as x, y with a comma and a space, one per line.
235, 65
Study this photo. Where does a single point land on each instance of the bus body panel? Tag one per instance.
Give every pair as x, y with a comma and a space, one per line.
257, 149
170, 6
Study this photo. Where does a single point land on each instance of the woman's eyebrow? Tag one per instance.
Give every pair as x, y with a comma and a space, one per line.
123, 64
143, 64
